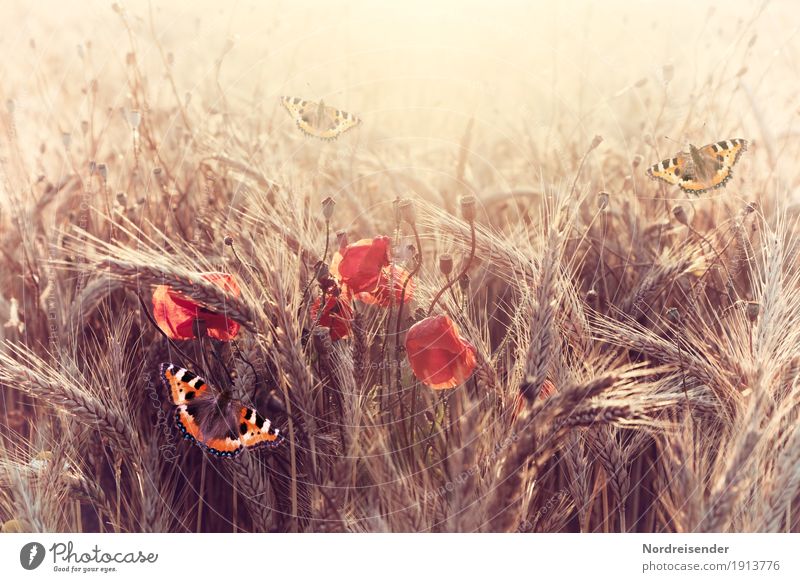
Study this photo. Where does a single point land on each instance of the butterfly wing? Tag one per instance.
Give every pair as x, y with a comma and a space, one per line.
721, 156
256, 431
338, 122
198, 415
670, 171
322, 122
182, 385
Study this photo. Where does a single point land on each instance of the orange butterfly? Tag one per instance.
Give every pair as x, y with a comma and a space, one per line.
213, 419
701, 169
319, 120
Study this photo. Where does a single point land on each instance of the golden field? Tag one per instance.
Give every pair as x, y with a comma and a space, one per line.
636, 348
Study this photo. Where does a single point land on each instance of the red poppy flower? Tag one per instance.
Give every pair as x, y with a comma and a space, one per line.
359, 265
439, 356
386, 293
176, 314
337, 315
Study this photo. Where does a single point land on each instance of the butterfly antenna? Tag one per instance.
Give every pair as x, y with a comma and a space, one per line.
218, 357
166, 337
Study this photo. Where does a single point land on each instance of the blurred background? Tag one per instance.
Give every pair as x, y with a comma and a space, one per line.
417, 71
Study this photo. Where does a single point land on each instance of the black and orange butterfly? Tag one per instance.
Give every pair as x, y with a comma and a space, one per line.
318, 119
212, 418
701, 169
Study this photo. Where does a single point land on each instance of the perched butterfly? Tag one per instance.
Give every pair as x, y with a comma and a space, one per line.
213, 419
702, 168
318, 119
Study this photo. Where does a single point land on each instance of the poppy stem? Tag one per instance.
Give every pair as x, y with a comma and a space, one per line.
414, 271
464, 271
319, 265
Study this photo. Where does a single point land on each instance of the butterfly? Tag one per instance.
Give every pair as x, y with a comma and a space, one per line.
318, 119
701, 169
212, 419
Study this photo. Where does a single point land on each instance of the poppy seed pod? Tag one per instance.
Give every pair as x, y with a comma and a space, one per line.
753, 308
674, 315
328, 206
408, 211
341, 238
602, 200
679, 212
446, 264
469, 208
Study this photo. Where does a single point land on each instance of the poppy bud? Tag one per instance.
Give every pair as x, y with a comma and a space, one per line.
674, 315
468, 208
341, 238
446, 264
323, 272
328, 206
463, 283
752, 310
407, 211
679, 212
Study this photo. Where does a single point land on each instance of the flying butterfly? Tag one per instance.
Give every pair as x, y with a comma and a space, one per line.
318, 119
212, 419
701, 169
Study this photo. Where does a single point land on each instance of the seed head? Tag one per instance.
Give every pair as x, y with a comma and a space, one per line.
752, 309
408, 211
679, 212
469, 208
446, 264
602, 200
341, 238
328, 206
